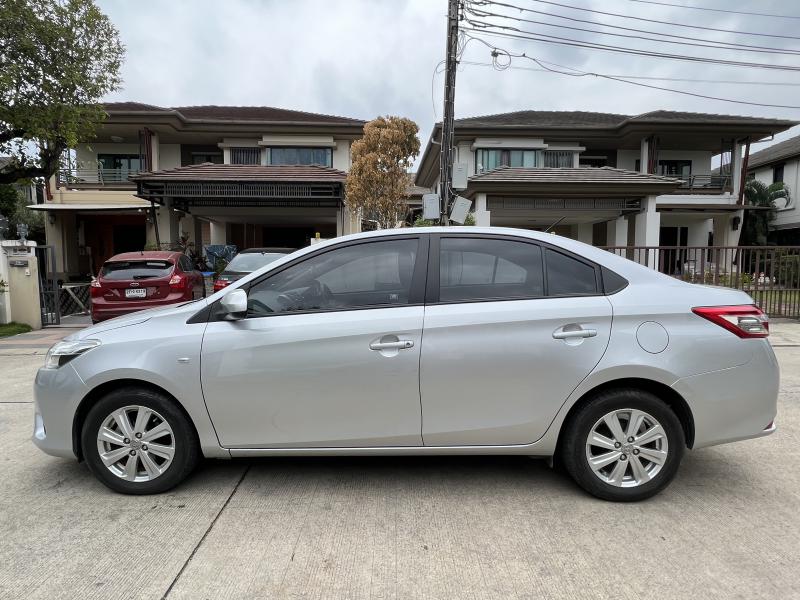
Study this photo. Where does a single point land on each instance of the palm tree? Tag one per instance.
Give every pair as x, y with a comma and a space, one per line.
755, 228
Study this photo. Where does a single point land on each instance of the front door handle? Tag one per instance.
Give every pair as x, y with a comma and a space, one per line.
572, 334
398, 345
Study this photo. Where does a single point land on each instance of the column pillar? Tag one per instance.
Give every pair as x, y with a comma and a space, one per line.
736, 170
644, 155
647, 232
584, 232
617, 232
483, 217
218, 236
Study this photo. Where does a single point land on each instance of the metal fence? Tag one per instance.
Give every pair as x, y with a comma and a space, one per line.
770, 274
95, 176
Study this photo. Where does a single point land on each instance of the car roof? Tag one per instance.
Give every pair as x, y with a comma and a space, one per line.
144, 255
267, 251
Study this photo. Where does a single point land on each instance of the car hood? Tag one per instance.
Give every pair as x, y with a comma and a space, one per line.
136, 318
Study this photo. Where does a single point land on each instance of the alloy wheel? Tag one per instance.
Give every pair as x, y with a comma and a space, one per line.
626, 448
136, 443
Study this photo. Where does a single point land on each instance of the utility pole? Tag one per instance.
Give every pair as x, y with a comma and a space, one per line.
446, 155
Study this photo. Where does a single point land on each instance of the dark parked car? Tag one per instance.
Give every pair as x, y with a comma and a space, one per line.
248, 261
138, 280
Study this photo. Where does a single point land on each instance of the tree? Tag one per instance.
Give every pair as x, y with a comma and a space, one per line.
57, 59
14, 208
755, 227
377, 184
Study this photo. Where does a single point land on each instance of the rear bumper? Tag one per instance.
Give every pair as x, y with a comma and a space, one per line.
102, 310
734, 404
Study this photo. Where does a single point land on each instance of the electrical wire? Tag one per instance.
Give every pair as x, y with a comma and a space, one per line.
719, 10
578, 73
686, 25
484, 14
485, 28
620, 27
650, 78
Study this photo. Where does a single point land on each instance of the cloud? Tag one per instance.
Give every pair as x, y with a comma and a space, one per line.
364, 58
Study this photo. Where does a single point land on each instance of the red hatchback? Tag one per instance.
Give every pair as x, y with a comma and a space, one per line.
138, 280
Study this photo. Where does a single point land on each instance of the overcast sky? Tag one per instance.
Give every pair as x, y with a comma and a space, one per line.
363, 58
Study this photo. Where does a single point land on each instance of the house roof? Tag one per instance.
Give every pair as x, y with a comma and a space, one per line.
777, 152
581, 119
583, 175
415, 190
570, 182
261, 114
270, 173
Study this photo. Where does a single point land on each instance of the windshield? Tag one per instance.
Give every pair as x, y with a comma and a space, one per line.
136, 269
247, 262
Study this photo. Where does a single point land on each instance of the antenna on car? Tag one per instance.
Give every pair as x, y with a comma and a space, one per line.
554, 224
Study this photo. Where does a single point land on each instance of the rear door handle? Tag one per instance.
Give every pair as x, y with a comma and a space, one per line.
574, 333
398, 345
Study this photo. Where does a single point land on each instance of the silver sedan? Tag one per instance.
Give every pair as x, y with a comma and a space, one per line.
420, 341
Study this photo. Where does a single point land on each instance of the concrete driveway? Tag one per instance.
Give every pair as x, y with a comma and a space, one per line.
450, 528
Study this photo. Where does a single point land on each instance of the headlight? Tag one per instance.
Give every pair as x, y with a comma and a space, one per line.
63, 352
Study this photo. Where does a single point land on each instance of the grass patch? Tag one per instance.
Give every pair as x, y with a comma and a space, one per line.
13, 329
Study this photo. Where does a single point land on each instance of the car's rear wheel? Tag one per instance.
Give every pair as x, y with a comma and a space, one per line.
137, 441
623, 445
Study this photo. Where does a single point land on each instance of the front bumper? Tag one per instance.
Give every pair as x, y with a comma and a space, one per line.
57, 395
734, 404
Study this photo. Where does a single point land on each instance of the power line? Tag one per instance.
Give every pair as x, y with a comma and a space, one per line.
579, 73
485, 14
733, 45
482, 27
720, 10
647, 78
702, 27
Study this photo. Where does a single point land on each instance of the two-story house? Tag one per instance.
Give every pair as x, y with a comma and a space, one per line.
249, 176
606, 179
781, 162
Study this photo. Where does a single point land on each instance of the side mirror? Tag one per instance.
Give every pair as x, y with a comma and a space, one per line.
234, 305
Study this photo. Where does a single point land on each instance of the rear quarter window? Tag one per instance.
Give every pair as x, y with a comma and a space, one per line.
567, 276
136, 269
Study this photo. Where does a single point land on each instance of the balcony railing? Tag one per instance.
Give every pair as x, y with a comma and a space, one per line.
704, 184
97, 177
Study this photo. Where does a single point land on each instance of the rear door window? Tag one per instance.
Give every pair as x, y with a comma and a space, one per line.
483, 269
136, 269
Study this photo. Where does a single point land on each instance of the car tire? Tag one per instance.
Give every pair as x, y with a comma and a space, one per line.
630, 465
110, 449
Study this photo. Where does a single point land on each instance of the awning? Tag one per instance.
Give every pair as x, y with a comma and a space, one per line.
59, 207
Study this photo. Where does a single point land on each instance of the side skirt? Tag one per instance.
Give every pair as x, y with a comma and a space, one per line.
524, 449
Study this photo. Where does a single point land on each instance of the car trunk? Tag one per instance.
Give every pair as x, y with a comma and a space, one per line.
132, 281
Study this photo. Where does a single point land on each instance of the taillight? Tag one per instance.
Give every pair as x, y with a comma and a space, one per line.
178, 282
746, 321
95, 289
221, 283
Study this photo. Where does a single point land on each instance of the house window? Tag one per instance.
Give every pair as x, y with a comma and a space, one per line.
300, 156
198, 158
245, 156
777, 174
675, 168
559, 158
489, 159
121, 162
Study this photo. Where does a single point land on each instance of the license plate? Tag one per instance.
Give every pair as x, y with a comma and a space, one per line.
136, 293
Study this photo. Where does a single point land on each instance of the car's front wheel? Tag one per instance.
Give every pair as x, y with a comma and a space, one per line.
137, 441
623, 445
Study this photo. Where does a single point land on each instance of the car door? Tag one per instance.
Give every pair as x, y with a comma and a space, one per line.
328, 355
511, 328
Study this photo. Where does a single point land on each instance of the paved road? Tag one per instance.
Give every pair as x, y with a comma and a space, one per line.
447, 528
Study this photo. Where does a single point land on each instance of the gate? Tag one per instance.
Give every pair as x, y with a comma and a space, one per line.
770, 274
48, 286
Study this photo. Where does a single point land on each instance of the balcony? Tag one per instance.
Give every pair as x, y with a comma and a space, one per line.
96, 178
704, 184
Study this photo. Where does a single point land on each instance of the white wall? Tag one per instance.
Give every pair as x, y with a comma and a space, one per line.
341, 155
169, 156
